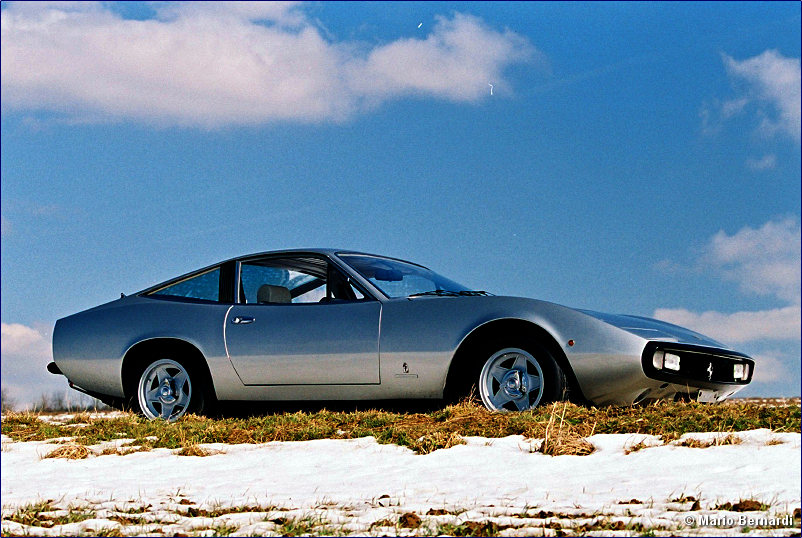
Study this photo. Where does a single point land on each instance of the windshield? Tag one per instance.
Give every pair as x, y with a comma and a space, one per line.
400, 279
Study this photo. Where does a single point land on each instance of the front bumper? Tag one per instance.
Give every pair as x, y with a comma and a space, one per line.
700, 367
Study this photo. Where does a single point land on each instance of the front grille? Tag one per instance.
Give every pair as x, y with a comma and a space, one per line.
707, 367
698, 364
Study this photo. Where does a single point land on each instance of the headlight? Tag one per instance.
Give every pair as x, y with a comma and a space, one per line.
657, 359
671, 362
665, 361
740, 371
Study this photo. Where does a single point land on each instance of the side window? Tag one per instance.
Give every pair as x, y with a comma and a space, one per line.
272, 282
205, 286
296, 281
358, 294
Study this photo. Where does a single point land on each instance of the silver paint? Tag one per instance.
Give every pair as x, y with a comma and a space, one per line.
379, 349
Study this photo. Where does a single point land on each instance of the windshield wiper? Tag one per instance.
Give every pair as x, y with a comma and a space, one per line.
449, 293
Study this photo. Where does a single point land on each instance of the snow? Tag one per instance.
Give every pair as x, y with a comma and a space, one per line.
356, 482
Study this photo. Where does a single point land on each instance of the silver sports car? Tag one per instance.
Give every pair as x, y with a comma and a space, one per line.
325, 324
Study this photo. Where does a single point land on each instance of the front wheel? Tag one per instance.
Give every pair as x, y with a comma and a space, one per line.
515, 379
167, 391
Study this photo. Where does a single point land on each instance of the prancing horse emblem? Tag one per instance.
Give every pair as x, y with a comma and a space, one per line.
710, 371
405, 367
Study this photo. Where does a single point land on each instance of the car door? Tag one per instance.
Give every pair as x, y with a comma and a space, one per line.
290, 328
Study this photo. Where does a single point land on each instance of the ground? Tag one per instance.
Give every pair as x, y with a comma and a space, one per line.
728, 483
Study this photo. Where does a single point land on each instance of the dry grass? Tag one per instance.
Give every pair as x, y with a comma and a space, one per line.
437, 512
565, 441
421, 432
640, 445
31, 514
44, 514
435, 441
691, 442
239, 436
471, 528
69, 451
183, 520
123, 450
195, 450
217, 511
304, 526
744, 505
409, 520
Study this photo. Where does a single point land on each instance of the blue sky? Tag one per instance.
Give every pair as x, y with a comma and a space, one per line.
633, 157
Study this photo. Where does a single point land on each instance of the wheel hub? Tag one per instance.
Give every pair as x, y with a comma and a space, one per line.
514, 384
511, 379
167, 391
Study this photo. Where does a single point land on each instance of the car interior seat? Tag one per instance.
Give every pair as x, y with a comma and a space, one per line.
268, 293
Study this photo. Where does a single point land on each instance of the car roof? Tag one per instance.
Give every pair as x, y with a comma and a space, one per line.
293, 252
325, 251
320, 251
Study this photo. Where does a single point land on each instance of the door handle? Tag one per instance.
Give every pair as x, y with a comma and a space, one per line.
242, 320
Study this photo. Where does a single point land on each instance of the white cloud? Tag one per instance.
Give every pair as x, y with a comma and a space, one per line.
772, 82
769, 368
213, 64
733, 107
16, 339
464, 54
285, 14
26, 352
764, 260
767, 162
738, 327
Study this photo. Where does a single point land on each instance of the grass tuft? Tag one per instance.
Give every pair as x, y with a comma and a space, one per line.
744, 505
224, 529
565, 441
44, 514
691, 442
435, 441
31, 514
108, 531
470, 528
437, 512
123, 450
69, 451
409, 520
629, 448
304, 526
195, 450
218, 511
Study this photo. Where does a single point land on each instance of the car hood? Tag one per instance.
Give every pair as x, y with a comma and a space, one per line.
653, 329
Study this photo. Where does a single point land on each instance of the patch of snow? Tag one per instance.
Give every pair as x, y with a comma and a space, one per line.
356, 482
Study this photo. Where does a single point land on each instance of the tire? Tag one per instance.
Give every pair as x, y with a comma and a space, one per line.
517, 378
168, 389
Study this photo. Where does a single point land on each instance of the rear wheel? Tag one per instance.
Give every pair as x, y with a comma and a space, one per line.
520, 378
168, 390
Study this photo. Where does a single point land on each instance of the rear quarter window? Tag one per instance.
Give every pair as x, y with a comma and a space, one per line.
205, 286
